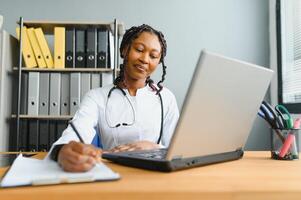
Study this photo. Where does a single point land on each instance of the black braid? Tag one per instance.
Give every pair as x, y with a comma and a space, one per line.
130, 35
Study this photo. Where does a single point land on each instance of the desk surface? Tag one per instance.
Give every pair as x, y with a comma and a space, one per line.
255, 176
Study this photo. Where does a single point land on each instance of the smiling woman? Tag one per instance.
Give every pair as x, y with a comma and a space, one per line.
132, 114
146, 47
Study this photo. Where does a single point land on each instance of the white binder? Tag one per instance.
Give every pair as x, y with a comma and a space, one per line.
95, 80
107, 79
74, 92
54, 97
33, 93
85, 84
65, 94
44, 94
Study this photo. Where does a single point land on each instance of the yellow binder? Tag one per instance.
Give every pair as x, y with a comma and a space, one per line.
36, 48
59, 47
44, 47
28, 55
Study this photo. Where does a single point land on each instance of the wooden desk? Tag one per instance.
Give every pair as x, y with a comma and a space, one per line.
255, 176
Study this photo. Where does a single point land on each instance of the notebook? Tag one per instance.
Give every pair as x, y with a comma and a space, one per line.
31, 171
216, 119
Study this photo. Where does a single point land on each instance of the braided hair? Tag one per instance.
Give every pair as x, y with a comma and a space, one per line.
129, 36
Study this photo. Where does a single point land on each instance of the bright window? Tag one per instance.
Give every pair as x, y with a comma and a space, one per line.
289, 53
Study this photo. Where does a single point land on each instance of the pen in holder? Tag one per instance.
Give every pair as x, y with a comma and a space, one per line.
285, 144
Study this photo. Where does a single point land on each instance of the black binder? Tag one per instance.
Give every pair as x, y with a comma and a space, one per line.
80, 48
61, 126
43, 135
91, 47
33, 133
102, 48
23, 142
52, 132
70, 48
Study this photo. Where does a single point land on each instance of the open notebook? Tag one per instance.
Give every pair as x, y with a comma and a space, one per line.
30, 171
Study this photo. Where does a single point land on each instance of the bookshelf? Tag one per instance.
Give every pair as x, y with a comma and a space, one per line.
24, 114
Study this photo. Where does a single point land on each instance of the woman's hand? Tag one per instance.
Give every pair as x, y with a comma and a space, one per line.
139, 145
78, 157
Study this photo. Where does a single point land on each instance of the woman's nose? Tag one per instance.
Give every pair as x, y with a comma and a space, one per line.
144, 57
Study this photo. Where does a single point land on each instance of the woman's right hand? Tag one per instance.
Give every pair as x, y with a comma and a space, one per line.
78, 157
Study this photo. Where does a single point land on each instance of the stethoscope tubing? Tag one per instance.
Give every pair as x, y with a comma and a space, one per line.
133, 110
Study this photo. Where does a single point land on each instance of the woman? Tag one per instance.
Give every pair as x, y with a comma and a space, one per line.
132, 114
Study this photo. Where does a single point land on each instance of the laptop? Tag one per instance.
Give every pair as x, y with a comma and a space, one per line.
217, 116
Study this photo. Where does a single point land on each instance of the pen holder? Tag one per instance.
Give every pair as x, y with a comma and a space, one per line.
285, 144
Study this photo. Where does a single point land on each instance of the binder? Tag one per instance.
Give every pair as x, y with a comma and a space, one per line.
24, 93
28, 55
59, 47
80, 48
43, 135
85, 84
36, 48
91, 49
54, 94
74, 92
44, 94
44, 47
33, 133
95, 80
23, 142
70, 48
102, 48
33, 93
107, 79
111, 51
61, 126
52, 132
65, 94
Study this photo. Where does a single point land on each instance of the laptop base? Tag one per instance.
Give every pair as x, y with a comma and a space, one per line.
128, 159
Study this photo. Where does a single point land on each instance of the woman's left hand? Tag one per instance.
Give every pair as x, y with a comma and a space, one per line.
139, 145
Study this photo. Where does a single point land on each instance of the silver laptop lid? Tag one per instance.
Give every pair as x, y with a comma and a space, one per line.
220, 106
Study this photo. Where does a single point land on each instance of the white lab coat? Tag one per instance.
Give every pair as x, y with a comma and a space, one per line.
91, 117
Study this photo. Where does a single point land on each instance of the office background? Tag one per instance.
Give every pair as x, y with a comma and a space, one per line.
235, 28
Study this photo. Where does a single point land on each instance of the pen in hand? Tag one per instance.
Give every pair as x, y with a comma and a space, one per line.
76, 132
79, 136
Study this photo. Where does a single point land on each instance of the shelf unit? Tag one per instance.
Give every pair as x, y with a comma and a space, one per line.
116, 27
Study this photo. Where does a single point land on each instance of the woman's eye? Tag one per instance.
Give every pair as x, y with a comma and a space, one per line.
153, 56
139, 50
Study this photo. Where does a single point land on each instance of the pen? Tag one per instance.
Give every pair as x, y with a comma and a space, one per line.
76, 132
287, 144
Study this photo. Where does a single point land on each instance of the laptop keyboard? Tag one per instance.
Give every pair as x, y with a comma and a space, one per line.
153, 154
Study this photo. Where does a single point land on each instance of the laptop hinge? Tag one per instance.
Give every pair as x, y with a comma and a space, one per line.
239, 149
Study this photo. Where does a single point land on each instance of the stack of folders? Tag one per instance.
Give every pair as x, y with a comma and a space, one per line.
54, 94
91, 47
73, 48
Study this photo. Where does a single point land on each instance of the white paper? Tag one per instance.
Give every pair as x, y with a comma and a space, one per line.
30, 171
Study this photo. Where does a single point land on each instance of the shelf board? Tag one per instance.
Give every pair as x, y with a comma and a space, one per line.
65, 69
50, 117
48, 26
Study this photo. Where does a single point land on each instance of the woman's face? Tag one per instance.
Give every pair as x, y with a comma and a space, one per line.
143, 57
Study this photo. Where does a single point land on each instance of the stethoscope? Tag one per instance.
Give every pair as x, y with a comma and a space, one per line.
133, 111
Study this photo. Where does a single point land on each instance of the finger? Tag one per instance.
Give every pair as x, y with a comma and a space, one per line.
77, 146
84, 149
77, 158
71, 167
